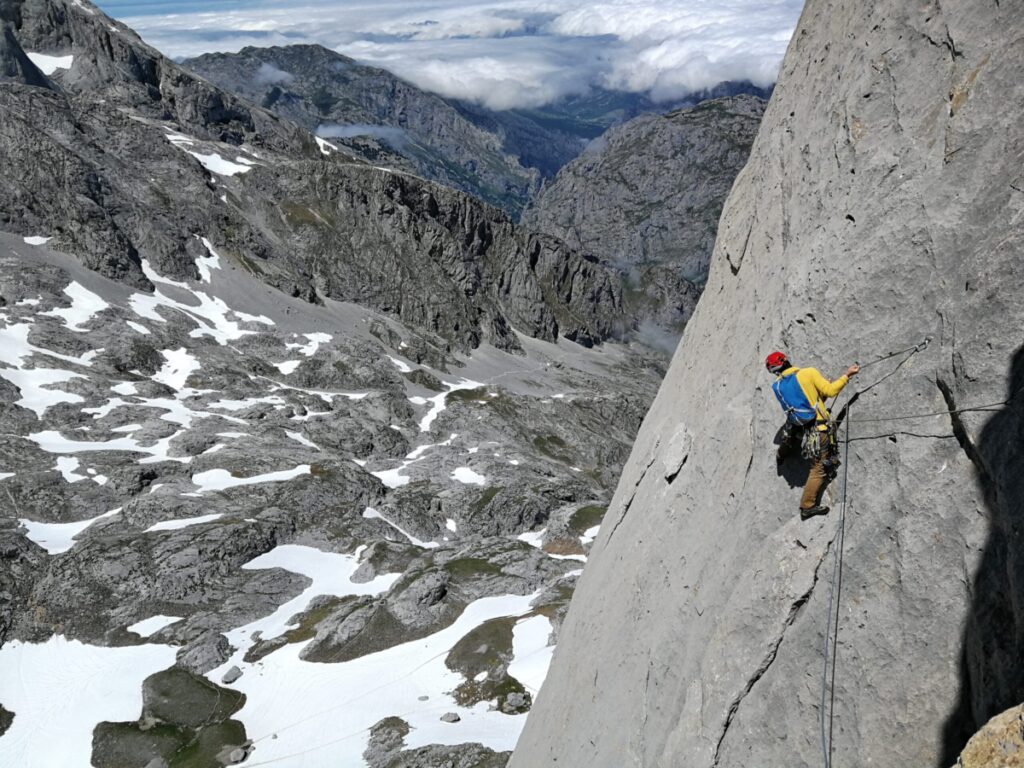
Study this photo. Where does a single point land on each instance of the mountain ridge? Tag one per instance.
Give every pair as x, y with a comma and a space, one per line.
112, 219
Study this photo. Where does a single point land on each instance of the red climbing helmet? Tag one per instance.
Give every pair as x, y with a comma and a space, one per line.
776, 362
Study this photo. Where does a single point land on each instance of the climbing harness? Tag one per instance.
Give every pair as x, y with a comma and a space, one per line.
814, 440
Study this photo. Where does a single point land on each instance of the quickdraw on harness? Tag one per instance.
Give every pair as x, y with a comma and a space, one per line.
815, 442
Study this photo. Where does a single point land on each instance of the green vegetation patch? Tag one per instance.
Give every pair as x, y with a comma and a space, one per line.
209, 742
249, 264
486, 498
471, 567
178, 697
116, 745
471, 692
308, 621
485, 648
320, 471
185, 722
553, 447
478, 396
585, 518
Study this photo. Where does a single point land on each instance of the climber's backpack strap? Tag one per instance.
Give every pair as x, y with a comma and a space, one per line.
793, 400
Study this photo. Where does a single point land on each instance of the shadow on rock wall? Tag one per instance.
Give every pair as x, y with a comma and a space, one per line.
992, 650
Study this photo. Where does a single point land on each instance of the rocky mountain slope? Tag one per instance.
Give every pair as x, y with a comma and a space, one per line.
296, 455
375, 115
881, 207
497, 156
647, 197
149, 155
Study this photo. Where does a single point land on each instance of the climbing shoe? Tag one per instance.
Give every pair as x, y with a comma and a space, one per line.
806, 514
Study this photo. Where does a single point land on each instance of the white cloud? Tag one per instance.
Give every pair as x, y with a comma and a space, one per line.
511, 53
268, 74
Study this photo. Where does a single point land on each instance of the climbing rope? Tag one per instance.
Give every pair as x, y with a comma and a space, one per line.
916, 348
985, 407
826, 713
828, 681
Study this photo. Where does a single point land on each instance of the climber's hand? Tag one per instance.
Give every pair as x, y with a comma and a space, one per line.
852, 371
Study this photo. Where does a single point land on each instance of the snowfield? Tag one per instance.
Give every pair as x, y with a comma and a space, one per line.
298, 713
62, 689
310, 715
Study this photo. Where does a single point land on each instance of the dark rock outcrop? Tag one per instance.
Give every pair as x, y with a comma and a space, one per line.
881, 205
647, 196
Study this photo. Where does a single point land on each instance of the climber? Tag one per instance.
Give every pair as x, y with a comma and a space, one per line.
802, 393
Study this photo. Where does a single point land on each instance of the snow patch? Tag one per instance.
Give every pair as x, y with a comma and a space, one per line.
531, 654
315, 340
187, 522
52, 441
401, 365
36, 240
288, 366
67, 465
302, 440
35, 383
372, 514
331, 574
533, 538
439, 402
467, 476
56, 538
214, 163
84, 305
211, 314
205, 263
49, 64
325, 146
152, 625
179, 366
138, 327
221, 479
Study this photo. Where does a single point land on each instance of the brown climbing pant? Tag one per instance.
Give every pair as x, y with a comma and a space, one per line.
818, 476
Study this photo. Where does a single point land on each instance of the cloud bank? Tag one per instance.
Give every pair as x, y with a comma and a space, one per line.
500, 53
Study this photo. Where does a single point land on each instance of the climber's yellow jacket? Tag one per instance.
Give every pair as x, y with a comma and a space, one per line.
817, 389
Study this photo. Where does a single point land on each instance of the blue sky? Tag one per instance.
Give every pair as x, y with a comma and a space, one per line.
502, 53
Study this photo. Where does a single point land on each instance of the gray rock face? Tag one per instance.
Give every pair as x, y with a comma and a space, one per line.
882, 204
647, 198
